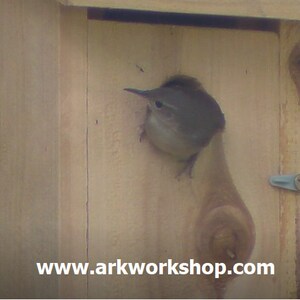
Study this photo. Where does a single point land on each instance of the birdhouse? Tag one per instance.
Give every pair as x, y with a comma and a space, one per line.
90, 210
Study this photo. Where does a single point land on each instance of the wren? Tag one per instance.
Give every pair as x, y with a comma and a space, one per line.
181, 118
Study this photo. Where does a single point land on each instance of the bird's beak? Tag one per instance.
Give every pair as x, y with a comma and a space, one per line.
142, 93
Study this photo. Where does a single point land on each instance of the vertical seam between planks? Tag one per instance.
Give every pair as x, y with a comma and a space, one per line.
87, 152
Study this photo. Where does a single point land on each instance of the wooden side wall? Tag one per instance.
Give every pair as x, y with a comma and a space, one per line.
289, 163
29, 146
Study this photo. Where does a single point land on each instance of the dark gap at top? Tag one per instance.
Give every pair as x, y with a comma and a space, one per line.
150, 17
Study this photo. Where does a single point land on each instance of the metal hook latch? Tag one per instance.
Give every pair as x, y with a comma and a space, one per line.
289, 182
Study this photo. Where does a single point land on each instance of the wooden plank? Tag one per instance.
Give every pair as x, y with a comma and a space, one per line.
29, 146
73, 147
290, 160
138, 211
278, 9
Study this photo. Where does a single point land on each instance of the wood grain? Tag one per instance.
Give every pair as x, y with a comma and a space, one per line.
29, 146
77, 185
73, 232
138, 211
278, 9
289, 162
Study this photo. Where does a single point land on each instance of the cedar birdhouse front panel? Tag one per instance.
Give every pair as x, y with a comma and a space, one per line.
138, 210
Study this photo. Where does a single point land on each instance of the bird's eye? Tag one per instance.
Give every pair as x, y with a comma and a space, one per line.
158, 104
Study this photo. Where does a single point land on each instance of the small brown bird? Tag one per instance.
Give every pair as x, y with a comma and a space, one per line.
181, 118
